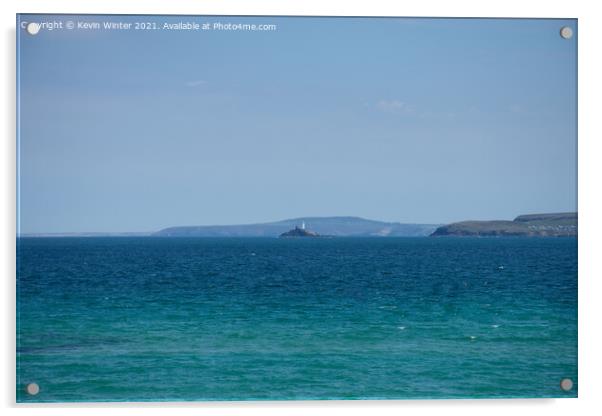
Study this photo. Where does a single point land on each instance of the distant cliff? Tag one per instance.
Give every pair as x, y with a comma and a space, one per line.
331, 226
534, 225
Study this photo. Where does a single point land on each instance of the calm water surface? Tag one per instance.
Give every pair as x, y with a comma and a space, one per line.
119, 319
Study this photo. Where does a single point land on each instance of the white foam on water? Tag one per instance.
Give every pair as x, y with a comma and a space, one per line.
401, 327
472, 337
495, 326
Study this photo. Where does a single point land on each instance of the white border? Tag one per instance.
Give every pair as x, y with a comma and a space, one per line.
590, 209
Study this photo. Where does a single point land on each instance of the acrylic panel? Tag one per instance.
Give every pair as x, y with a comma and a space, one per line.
295, 208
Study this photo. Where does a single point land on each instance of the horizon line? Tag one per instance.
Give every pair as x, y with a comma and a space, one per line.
150, 232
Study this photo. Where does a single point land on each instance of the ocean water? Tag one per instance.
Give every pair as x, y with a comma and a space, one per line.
156, 319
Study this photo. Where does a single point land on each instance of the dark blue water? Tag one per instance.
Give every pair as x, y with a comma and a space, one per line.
111, 319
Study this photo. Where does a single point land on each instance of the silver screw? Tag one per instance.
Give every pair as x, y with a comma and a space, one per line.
566, 32
33, 389
566, 384
33, 28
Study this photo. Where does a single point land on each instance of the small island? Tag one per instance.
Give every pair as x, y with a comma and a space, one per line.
299, 232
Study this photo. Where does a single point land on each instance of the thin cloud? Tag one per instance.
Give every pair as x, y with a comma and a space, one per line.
395, 106
517, 109
196, 83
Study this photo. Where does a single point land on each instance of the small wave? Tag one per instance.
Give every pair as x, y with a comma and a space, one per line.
472, 337
401, 327
387, 307
495, 326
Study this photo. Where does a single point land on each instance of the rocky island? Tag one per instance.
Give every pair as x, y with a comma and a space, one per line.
299, 232
534, 225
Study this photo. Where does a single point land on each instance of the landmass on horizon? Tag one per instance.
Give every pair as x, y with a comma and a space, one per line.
535, 225
532, 225
330, 226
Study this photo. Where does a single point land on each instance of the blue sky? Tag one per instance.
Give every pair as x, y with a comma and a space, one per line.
410, 120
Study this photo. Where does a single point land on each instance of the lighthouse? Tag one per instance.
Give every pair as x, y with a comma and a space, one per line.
303, 225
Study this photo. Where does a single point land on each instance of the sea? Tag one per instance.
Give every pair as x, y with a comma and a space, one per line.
205, 319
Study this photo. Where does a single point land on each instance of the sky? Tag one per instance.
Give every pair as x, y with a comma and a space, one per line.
392, 119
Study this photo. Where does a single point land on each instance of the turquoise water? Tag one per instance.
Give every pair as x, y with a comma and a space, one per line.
139, 319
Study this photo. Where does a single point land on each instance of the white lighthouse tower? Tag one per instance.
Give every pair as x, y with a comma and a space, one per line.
303, 225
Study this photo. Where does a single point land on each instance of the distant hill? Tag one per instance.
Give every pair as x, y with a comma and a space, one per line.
533, 225
331, 226
86, 234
